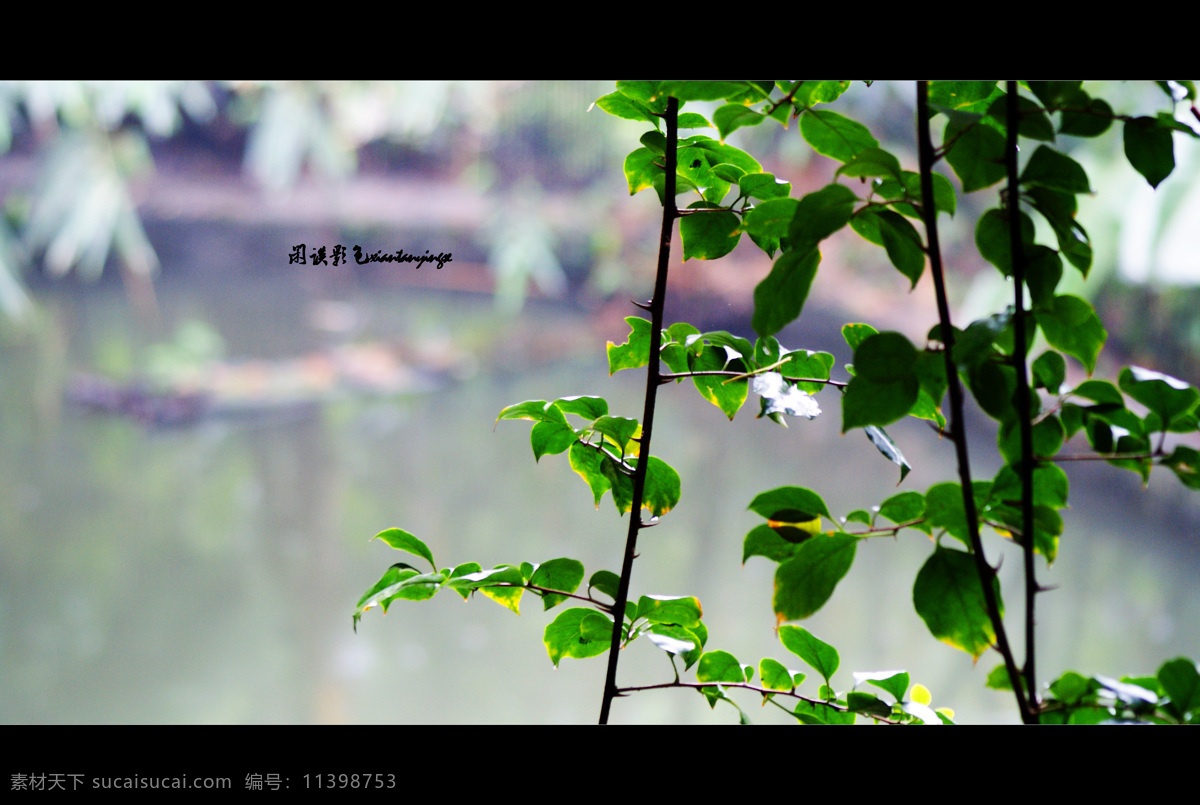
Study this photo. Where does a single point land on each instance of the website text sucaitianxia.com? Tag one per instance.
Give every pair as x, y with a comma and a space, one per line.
75, 782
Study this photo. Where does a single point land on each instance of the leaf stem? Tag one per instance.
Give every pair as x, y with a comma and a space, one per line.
653, 369
747, 686
666, 377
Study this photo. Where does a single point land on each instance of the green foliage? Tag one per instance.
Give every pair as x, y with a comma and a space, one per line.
957, 592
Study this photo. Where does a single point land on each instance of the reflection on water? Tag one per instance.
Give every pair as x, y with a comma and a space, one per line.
207, 573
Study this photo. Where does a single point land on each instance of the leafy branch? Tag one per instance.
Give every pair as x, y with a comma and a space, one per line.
956, 592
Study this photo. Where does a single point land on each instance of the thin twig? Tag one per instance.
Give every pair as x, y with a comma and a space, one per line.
841, 708
1024, 414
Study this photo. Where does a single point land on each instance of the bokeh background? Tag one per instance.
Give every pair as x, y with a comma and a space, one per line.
199, 436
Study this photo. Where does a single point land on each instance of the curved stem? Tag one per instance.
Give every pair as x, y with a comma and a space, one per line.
957, 430
841, 708
670, 213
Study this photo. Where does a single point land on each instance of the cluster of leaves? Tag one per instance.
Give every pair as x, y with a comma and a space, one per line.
672, 623
956, 592
1171, 696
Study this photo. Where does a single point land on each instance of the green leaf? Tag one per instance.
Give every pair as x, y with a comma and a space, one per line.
733, 116
673, 639
903, 245
550, 438
1072, 326
534, 410
894, 682
565, 636
1181, 681
780, 297
464, 569
693, 120
1048, 437
949, 598
1069, 688
1059, 209
1093, 118
868, 703
557, 574
635, 352
682, 611
774, 675
709, 235
1054, 93
1185, 463
885, 386
596, 626
655, 141
820, 713
998, 678
763, 540
588, 462
621, 105
820, 655
771, 218
967, 95
993, 240
706, 90
606, 582
620, 483
381, 591
944, 509
662, 487
1149, 149
903, 507
909, 187
855, 334
1043, 270
1166, 396
719, 666
764, 186
587, 407
1049, 168
810, 93
729, 397
1032, 120
806, 581
818, 215
644, 92
866, 402
808, 364
404, 541
1050, 485
834, 135
1101, 391
1049, 371
885, 358
618, 428
642, 168
790, 504
885, 445
872, 162
505, 596
976, 153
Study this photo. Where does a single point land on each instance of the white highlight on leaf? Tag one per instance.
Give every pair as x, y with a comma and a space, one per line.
1143, 375
781, 397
